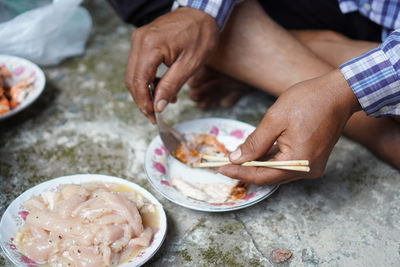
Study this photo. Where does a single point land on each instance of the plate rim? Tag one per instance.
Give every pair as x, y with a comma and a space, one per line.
154, 200
217, 208
39, 89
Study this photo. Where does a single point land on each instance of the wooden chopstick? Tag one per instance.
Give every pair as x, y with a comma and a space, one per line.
277, 163
293, 165
260, 163
214, 158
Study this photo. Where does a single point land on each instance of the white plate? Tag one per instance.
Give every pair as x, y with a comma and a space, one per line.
20, 69
158, 164
11, 220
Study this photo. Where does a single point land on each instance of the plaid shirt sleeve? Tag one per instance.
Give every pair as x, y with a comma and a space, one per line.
218, 9
375, 78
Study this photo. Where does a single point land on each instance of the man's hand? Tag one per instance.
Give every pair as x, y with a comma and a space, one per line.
183, 40
306, 121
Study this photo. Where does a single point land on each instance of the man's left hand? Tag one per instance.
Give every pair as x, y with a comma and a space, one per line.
306, 121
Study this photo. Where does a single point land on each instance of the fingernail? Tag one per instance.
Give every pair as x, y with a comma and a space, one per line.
161, 105
235, 155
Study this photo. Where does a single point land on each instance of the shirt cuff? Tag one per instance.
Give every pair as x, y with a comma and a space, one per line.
218, 9
375, 82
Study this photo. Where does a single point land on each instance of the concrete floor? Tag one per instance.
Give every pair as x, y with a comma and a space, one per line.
86, 122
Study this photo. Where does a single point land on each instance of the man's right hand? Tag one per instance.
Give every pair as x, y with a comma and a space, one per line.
183, 40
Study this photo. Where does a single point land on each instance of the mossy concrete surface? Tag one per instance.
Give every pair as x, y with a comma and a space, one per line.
86, 122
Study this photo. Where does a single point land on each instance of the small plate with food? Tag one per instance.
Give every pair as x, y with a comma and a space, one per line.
83, 220
21, 83
202, 189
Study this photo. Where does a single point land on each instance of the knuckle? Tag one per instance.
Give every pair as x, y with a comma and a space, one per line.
150, 39
154, 53
169, 86
137, 34
137, 82
259, 177
252, 143
272, 116
128, 83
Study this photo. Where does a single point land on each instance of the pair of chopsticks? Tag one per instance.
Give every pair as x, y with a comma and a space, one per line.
292, 165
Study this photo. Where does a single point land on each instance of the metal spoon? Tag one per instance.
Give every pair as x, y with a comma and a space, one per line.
171, 138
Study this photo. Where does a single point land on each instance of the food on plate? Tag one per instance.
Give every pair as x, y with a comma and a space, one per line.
217, 192
199, 144
12, 95
91, 224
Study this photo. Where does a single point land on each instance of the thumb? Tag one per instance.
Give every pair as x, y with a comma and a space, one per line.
258, 143
171, 83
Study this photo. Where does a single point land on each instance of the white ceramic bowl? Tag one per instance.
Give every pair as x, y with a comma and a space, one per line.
11, 220
20, 69
159, 164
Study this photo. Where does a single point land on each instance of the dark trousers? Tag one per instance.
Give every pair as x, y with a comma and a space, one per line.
299, 14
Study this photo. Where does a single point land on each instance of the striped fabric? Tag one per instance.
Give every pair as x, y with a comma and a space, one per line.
219, 9
375, 76
383, 12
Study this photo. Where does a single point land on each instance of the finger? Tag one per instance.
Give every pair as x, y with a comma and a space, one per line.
145, 71
258, 142
203, 75
130, 69
231, 98
211, 101
208, 95
204, 90
172, 82
142, 66
257, 175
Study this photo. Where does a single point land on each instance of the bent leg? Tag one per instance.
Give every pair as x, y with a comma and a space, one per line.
256, 50
334, 48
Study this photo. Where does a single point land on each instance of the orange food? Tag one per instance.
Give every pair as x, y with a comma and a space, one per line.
181, 155
239, 191
209, 140
4, 72
4, 105
12, 96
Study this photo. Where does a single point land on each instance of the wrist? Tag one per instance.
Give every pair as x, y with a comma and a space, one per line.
198, 15
343, 93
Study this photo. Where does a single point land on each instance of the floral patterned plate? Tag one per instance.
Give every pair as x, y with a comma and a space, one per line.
158, 164
15, 215
20, 69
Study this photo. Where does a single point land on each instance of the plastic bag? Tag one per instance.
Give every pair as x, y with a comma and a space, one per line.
48, 34
12, 8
